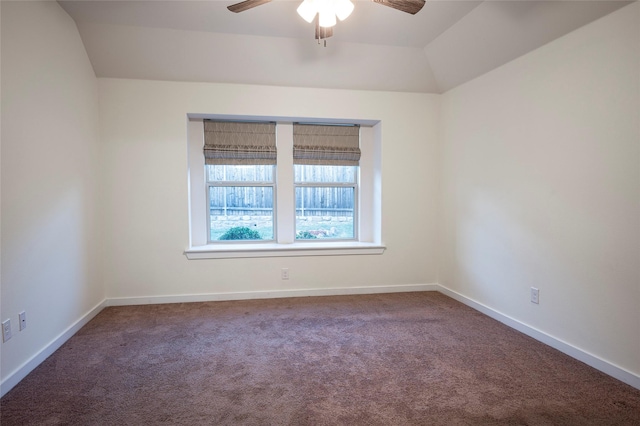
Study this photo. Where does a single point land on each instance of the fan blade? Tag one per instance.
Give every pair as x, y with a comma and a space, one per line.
246, 5
409, 6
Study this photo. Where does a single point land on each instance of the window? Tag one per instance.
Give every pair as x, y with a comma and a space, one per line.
326, 202
326, 159
240, 160
240, 200
311, 193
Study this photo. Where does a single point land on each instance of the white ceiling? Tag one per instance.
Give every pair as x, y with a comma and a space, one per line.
377, 48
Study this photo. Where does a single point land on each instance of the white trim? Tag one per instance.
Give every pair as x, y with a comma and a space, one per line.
581, 355
21, 372
273, 294
196, 184
284, 119
226, 251
285, 207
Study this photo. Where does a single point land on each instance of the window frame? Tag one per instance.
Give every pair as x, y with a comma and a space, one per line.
368, 198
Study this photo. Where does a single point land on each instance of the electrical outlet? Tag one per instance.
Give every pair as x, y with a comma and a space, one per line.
22, 316
535, 295
6, 330
285, 273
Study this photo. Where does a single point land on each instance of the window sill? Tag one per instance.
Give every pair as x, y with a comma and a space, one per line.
228, 251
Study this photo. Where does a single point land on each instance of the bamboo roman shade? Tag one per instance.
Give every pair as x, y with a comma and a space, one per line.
326, 144
239, 143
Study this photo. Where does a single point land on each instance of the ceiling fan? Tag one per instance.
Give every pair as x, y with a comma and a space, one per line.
328, 10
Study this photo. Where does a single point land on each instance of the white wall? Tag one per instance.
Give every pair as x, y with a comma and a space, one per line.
50, 235
144, 125
541, 187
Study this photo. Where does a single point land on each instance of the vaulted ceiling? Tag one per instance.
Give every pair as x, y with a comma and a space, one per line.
444, 45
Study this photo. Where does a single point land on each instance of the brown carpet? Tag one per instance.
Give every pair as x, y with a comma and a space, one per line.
390, 359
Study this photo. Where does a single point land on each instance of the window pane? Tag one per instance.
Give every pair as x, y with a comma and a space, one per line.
309, 173
251, 173
325, 212
241, 212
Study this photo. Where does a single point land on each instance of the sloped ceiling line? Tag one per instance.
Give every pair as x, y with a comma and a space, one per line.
446, 44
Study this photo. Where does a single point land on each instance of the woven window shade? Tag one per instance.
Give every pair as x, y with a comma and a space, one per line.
238, 143
326, 145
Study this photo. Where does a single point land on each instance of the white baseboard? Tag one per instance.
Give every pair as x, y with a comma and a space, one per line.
606, 367
271, 294
574, 352
21, 372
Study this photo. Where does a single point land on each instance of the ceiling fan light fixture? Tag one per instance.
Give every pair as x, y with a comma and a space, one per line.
307, 10
327, 11
327, 17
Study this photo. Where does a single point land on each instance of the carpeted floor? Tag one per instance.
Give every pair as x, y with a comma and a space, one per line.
389, 359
